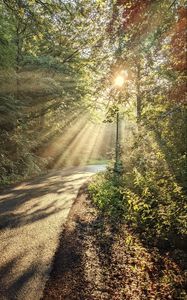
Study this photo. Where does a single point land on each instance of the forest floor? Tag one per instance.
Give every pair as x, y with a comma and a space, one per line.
96, 260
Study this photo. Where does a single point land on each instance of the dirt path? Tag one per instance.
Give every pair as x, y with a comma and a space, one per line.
96, 260
31, 218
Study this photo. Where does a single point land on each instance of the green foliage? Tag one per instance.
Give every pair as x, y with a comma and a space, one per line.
60, 57
153, 186
147, 195
47, 57
7, 47
106, 194
155, 199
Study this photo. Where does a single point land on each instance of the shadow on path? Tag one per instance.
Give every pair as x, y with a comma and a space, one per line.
31, 218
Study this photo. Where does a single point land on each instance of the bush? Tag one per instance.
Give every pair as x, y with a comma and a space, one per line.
148, 195
106, 194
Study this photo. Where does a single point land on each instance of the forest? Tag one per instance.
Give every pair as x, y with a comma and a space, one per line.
68, 68
58, 62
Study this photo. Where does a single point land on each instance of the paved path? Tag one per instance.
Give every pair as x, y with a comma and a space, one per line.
31, 218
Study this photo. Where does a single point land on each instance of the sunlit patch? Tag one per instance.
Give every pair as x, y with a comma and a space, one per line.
62, 142
50, 133
81, 143
71, 152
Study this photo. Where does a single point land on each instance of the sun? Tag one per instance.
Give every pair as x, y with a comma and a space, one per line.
119, 81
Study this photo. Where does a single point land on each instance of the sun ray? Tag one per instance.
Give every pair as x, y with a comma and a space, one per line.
90, 142
78, 152
71, 148
63, 141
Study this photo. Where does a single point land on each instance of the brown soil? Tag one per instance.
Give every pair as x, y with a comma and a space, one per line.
99, 261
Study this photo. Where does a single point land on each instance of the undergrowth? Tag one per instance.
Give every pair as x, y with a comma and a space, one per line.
146, 195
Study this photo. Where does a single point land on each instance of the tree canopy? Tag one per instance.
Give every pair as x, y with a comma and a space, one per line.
59, 59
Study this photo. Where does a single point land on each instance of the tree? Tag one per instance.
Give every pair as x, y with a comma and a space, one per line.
49, 80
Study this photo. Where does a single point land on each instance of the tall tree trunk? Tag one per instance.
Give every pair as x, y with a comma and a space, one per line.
138, 96
18, 60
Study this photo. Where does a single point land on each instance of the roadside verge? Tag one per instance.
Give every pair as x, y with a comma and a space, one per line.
97, 260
